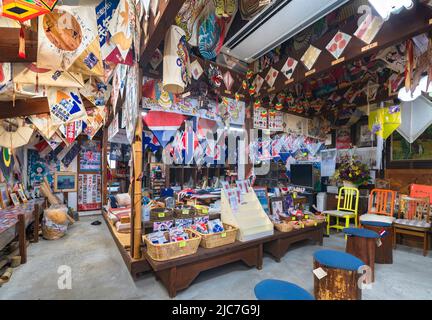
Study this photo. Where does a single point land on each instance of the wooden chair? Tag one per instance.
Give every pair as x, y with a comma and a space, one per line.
347, 208
380, 207
413, 219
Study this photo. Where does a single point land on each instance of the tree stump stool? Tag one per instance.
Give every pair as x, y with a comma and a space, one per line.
341, 281
362, 243
271, 289
384, 252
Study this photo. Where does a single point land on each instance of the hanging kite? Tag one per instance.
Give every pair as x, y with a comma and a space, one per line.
22, 10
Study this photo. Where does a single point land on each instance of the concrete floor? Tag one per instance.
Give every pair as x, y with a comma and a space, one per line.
98, 272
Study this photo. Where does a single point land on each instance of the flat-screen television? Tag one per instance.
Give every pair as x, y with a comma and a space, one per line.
302, 175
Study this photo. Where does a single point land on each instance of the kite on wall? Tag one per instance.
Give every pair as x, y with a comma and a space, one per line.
65, 105
68, 41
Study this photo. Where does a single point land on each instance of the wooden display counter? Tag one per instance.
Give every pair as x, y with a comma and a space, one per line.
178, 274
282, 241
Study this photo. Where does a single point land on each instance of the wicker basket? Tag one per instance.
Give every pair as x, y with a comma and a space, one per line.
185, 212
284, 227
218, 239
172, 250
310, 223
160, 214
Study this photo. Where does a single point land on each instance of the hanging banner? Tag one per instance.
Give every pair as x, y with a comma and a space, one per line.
121, 28
68, 40
97, 92
44, 125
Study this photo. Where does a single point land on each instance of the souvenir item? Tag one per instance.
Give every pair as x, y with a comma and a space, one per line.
200, 227
178, 234
271, 76
260, 122
68, 41
394, 58
215, 226
338, 44
14, 133
130, 106
176, 70
70, 155
196, 70
257, 104
188, 19
44, 124
201, 219
228, 80
383, 122
416, 117
104, 15
95, 120
157, 237
275, 121
29, 73
97, 92
5, 76
162, 225
156, 59
65, 105
257, 83
163, 125
369, 28
214, 76
21, 10
252, 90
289, 67
310, 57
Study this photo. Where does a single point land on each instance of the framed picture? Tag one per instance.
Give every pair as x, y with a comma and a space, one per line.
65, 182
4, 196
22, 196
364, 137
262, 195
14, 199
276, 206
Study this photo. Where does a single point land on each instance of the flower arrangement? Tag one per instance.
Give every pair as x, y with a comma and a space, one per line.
353, 170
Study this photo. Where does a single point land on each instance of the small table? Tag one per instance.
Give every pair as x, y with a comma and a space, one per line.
362, 243
384, 252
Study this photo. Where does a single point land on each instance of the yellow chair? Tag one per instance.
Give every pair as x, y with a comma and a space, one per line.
347, 208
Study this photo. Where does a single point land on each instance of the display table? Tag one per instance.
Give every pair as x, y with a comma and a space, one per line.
283, 240
178, 274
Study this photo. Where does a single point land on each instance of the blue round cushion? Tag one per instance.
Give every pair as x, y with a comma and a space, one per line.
363, 233
376, 224
338, 260
271, 289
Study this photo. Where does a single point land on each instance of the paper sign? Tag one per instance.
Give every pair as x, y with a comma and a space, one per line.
161, 214
182, 244
223, 235
379, 243
319, 273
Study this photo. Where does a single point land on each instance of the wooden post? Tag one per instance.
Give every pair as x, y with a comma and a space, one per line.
338, 284
104, 166
22, 238
136, 191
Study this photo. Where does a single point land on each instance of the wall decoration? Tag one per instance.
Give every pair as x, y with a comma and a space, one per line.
65, 105
89, 192
121, 28
71, 130
4, 196
38, 168
228, 80
416, 118
275, 120
343, 138
419, 150
95, 120
394, 58
104, 14
338, 44
22, 196
97, 92
163, 125
196, 69
310, 57
260, 122
21, 10
384, 121
14, 198
70, 154
73, 48
365, 136
262, 196
257, 83
44, 125
369, 28
65, 182
130, 106
289, 67
90, 156
271, 76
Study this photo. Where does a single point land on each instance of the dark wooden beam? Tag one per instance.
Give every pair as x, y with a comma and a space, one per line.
9, 44
157, 27
399, 28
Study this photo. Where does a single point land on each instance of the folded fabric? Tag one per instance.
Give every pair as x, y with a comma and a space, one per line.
122, 227
376, 218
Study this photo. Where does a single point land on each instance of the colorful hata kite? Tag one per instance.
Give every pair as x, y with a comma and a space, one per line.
23, 10
384, 121
65, 105
163, 125
121, 27
68, 41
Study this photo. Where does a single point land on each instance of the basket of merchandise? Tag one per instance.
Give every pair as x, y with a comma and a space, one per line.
319, 218
284, 226
310, 223
183, 212
161, 214
175, 243
201, 210
214, 233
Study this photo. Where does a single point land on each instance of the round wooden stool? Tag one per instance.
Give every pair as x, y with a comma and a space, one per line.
384, 252
362, 243
271, 289
341, 281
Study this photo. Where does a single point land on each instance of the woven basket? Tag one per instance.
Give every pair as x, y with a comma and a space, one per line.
284, 227
218, 239
160, 214
310, 223
172, 250
183, 213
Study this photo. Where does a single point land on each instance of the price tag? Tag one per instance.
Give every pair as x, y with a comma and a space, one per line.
289, 81
161, 214
319, 273
182, 244
185, 211
370, 46
223, 235
335, 62
310, 72
293, 218
306, 216
205, 211
379, 243
228, 92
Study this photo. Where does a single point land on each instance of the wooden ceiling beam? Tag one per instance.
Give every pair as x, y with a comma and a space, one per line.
9, 44
157, 27
398, 29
